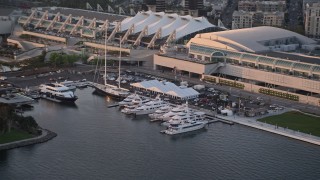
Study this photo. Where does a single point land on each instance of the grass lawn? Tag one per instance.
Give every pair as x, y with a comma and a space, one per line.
14, 135
295, 121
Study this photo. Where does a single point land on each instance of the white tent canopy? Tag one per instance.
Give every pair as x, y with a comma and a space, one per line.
179, 22
154, 17
167, 88
166, 19
128, 22
194, 25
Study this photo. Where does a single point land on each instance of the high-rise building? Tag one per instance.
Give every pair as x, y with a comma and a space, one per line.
193, 7
273, 18
241, 19
156, 5
312, 20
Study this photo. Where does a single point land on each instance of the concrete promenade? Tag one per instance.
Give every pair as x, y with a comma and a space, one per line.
252, 122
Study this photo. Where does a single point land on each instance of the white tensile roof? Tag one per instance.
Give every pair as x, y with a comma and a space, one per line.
140, 16
167, 23
194, 25
249, 39
179, 22
167, 88
153, 17
164, 21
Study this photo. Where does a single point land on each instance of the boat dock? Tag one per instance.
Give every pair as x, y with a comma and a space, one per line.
113, 105
214, 119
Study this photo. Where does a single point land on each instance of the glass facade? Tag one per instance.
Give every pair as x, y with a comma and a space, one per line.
271, 64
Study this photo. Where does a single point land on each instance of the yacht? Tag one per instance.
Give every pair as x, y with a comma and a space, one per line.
108, 89
167, 116
185, 126
129, 109
160, 112
129, 100
135, 103
57, 92
150, 107
185, 116
82, 83
70, 84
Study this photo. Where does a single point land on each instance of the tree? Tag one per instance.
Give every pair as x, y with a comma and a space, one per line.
6, 113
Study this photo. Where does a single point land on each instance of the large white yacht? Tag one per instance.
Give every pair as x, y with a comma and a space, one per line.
70, 84
185, 126
128, 100
174, 111
185, 116
57, 92
135, 103
133, 99
160, 112
150, 107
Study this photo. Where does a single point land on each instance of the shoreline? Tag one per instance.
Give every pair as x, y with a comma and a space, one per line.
253, 123
44, 137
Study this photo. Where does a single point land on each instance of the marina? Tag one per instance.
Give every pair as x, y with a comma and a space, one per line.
121, 142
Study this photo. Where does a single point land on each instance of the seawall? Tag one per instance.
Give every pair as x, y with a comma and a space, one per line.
44, 137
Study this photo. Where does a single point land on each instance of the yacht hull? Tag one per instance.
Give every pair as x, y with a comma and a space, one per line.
180, 130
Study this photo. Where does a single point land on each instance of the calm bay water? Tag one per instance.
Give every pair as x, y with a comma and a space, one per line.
96, 142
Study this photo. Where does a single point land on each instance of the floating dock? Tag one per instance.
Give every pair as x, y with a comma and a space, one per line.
113, 105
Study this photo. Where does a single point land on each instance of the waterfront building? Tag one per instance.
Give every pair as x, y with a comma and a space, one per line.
147, 28
167, 88
253, 59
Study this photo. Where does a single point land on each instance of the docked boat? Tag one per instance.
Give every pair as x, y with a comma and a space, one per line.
160, 112
174, 111
57, 92
150, 107
185, 126
129, 109
108, 89
185, 116
135, 103
70, 84
82, 84
129, 100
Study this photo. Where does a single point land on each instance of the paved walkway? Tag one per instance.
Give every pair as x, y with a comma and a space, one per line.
252, 122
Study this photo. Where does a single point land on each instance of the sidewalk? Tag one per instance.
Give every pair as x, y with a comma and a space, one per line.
252, 122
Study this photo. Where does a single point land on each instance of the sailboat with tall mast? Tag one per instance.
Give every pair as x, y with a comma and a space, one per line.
108, 89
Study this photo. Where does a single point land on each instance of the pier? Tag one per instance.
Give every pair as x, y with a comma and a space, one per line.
252, 122
113, 105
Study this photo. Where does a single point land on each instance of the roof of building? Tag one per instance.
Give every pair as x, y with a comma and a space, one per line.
167, 88
168, 23
250, 39
88, 14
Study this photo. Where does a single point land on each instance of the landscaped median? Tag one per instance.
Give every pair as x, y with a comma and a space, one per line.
296, 121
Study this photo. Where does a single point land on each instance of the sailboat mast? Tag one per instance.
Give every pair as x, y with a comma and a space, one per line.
105, 57
120, 64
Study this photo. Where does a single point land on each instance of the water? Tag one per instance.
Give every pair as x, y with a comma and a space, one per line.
96, 142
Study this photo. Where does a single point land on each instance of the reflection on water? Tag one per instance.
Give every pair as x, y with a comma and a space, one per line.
188, 135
